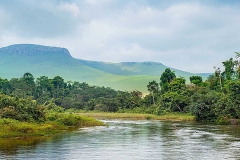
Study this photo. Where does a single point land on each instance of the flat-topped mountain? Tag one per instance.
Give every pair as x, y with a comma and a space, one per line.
39, 60
35, 53
34, 50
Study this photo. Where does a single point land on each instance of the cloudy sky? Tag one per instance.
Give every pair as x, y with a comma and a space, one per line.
185, 34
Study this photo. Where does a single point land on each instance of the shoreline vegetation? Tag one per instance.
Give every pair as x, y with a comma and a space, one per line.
139, 116
63, 122
15, 129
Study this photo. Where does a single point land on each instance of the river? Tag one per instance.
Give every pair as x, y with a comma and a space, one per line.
132, 140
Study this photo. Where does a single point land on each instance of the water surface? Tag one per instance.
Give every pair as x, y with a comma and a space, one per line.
128, 139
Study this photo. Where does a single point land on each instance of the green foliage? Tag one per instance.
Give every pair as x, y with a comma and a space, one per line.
197, 80
204, 106
173, 101
215, 100
9, 112
234, 98
166, 77
153, 88
229, 68
19, 108
212, 100
223, 120
69, 119
177, 85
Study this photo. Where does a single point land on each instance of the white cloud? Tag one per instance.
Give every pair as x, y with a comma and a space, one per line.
98, 2
193, 36
71, 8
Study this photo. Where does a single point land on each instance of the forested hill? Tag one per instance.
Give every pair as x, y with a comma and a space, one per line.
51, 61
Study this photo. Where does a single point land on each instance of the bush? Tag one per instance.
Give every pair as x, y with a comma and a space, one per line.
9, 112
222, 120
69, 119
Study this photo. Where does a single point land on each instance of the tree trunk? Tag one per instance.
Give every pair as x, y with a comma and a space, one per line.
178, 107
153, 98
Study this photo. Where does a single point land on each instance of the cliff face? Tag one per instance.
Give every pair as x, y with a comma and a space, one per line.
35, 54
34, 50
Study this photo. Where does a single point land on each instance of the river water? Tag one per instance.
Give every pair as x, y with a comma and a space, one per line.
132, 140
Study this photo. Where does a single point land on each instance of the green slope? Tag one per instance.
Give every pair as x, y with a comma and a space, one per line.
136, 68
15, 60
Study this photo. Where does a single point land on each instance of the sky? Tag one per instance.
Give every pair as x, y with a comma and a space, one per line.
190, 35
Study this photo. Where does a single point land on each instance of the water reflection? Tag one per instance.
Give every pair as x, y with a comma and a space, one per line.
127, 139
11, 146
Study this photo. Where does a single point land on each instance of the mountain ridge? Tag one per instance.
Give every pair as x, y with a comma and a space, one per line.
40, 60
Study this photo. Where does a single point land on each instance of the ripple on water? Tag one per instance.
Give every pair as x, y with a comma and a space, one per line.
140, 139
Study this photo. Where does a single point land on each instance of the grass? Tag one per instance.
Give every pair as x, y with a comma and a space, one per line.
169, 116
10, 128
16, 129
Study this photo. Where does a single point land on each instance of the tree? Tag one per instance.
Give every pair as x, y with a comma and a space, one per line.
173, 101
229, 68
28, 85
166, 77
237, 55
203, 106
234, 92
43, 85
124, 100
177, 85
5, 86
28, 78
197, 80
153, 88
237, 65
217, 74
58, 83
135, 99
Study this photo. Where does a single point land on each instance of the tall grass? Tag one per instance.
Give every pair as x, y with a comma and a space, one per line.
10, 128
69, 119
169, 116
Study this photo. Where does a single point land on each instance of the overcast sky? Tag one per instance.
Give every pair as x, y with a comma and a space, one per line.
185, 34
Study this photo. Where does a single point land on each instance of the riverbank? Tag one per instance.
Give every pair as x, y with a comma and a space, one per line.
170, 116
10, 128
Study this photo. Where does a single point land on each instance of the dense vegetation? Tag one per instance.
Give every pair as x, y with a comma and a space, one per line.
214, 100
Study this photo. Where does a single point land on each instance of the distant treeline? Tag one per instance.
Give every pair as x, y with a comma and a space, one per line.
70, 94
216, 99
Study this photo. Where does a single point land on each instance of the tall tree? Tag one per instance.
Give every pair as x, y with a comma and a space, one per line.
153, 88
237, 65
29, 84
5, 86
229, 68
43, 86
166, 77
58, 83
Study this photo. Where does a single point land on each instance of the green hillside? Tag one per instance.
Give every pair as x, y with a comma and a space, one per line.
136, 68
39, 60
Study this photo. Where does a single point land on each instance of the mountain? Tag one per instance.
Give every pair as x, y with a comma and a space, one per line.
39, 60
136, 68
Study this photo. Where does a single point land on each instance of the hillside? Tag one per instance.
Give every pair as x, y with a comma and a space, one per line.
39, 60
136, 68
